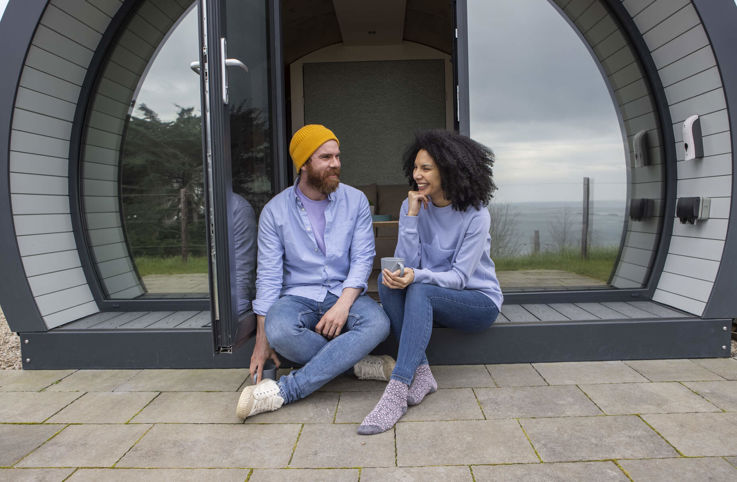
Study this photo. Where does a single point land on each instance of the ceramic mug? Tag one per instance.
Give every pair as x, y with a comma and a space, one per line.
393, 264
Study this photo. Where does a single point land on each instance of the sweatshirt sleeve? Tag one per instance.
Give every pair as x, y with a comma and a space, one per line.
408, 241
466, 258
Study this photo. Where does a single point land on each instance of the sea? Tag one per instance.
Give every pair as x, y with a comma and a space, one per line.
560, 223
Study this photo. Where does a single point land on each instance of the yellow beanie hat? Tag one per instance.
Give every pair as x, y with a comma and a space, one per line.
306, 141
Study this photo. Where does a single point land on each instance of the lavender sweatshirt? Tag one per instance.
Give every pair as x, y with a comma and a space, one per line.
449, 248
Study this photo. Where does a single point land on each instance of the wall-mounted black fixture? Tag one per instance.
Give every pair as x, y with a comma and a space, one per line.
693, 143
691, 209
641, 209
640, 146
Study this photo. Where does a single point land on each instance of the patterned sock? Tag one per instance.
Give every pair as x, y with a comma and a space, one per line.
388, 411
422, 384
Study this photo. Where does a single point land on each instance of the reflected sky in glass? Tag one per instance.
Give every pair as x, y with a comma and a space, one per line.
539, 101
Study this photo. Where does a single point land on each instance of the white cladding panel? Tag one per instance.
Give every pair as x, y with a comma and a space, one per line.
56, 65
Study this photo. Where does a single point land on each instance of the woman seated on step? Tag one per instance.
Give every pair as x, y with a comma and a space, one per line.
449, 276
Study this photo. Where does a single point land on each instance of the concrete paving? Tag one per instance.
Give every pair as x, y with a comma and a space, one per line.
632, 420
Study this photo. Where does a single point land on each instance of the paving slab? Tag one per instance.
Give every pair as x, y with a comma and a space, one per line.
86, 446
30, 380
462, 443
18, 440
594, 438
304, 475
160, 475
93, 381
104, 407
462, 376
731, 460
190, 407
574, 373
713, 469
698, 434
319, 407
35, 475
516, 375
446, 404
417, 474
556, 472
722, 394
32, 407
213, 446
339, 446
354, 406
523, 402
672, 370
196, 380
632, 398
724, 367
344, 383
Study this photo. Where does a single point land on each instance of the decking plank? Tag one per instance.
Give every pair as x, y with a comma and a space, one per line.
544, 312
657, 309
573, 312
629, 310
173, 320
516, 313
117, 322
90, 320
603, 312
146, 320
200, 320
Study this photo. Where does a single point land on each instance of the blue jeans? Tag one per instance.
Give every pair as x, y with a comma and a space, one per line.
413, 309
290, 329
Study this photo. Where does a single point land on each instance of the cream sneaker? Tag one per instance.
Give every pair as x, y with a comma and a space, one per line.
373, 367
255, 399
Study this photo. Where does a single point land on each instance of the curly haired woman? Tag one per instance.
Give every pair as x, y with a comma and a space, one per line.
449, 276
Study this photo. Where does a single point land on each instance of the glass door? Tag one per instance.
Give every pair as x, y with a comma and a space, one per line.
238, 71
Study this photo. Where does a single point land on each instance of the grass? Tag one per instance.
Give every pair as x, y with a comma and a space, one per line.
598, 265
170, 265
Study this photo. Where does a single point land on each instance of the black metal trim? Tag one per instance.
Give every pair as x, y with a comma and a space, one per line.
719, 19
279, 140
17, 29
76, 196
461, 98
77, 140
666, 130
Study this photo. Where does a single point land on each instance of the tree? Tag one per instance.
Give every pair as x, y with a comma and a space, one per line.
504, 236
560, 229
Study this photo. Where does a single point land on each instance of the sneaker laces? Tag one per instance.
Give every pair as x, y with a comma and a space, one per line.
266, 398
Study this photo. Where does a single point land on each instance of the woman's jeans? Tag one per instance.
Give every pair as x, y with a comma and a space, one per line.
413, 310
290, 329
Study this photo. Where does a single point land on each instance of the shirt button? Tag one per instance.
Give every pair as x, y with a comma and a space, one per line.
308, 230
316, 250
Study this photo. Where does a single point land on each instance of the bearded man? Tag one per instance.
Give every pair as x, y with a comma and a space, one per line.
315, 254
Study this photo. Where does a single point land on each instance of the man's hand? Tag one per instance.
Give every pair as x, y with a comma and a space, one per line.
261, 352
396, 282
415, 200
332, 322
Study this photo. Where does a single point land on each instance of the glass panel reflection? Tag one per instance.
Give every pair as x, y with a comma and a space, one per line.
539, 100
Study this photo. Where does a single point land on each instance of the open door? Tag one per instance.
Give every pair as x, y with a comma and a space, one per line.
238, 68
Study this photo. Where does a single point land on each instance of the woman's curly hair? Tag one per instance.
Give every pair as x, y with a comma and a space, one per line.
465, 166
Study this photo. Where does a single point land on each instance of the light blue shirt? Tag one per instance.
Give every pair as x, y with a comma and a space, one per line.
244, 226
316, 214
449, 248
289, 259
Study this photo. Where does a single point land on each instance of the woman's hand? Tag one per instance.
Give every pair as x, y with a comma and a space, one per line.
415, 200
396, 282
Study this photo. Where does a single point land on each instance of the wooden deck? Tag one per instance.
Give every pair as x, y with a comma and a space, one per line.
524, 313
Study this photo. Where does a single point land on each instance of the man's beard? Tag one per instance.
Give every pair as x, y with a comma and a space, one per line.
322, 182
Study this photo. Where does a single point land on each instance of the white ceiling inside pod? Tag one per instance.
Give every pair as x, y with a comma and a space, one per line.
370, 23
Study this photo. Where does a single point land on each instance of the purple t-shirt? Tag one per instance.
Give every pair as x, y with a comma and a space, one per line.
316, 214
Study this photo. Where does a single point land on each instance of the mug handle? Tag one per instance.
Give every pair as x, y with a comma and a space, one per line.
401, 268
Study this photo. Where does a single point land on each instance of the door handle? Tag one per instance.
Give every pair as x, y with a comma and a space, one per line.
195, 66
